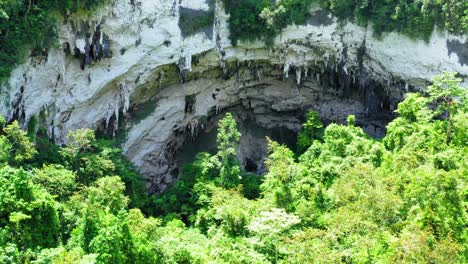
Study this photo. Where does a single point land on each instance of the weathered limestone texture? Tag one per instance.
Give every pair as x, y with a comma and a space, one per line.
130, 64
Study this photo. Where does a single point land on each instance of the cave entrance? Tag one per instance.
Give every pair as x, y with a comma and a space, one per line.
250, 165
253, 147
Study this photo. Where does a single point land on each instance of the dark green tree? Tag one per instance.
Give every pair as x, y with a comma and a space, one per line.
312, 130
228, 141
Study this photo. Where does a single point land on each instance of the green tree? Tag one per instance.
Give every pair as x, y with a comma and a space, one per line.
228, 211
144, 232
348, 198
106, 194
183, 199
28, 213
113, 242
228, 141
282, 172
312, 130
449, 96
271, 225
21, 147
57, 180
102, 226
61, 255
80, 141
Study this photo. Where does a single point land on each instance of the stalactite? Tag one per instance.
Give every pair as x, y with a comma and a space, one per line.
188, 63
124, 93
286, 70
298, 75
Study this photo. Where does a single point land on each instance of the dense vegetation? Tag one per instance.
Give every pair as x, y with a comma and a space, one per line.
26, 25
415, 18
263, 19
342, 198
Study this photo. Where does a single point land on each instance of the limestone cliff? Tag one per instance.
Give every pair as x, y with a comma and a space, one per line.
130, 67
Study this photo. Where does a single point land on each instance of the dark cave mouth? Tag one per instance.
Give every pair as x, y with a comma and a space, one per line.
252, 150
282, 127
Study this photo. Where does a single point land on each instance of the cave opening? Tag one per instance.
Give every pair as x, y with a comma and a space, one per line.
250, 165
182, 118
253, 148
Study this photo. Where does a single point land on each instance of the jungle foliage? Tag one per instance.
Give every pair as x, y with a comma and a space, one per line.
343, 198
264, 19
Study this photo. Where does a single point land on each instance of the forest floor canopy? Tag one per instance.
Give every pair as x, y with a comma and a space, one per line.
340, 197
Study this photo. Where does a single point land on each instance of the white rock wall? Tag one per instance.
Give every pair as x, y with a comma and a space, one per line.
145, 36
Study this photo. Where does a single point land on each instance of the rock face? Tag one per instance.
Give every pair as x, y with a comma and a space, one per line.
130, 68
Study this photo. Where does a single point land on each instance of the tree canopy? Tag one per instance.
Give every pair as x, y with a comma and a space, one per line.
343, 197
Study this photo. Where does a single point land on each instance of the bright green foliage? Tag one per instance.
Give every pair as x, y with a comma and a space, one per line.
178, 244
28, 213
226, 249
26, 25
79, 141
5, 148
347, 198
106, 194
271, 225
228, 211
56, 180
21, 148
180, 200
45, 208
311, 130
113, 242
228, 141
282, 170
144, 232
92, 159
62, 256
3, 14
103, 226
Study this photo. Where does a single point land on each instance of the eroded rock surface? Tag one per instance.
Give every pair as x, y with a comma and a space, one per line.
129, 68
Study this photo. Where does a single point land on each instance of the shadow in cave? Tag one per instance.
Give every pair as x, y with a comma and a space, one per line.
253, 147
